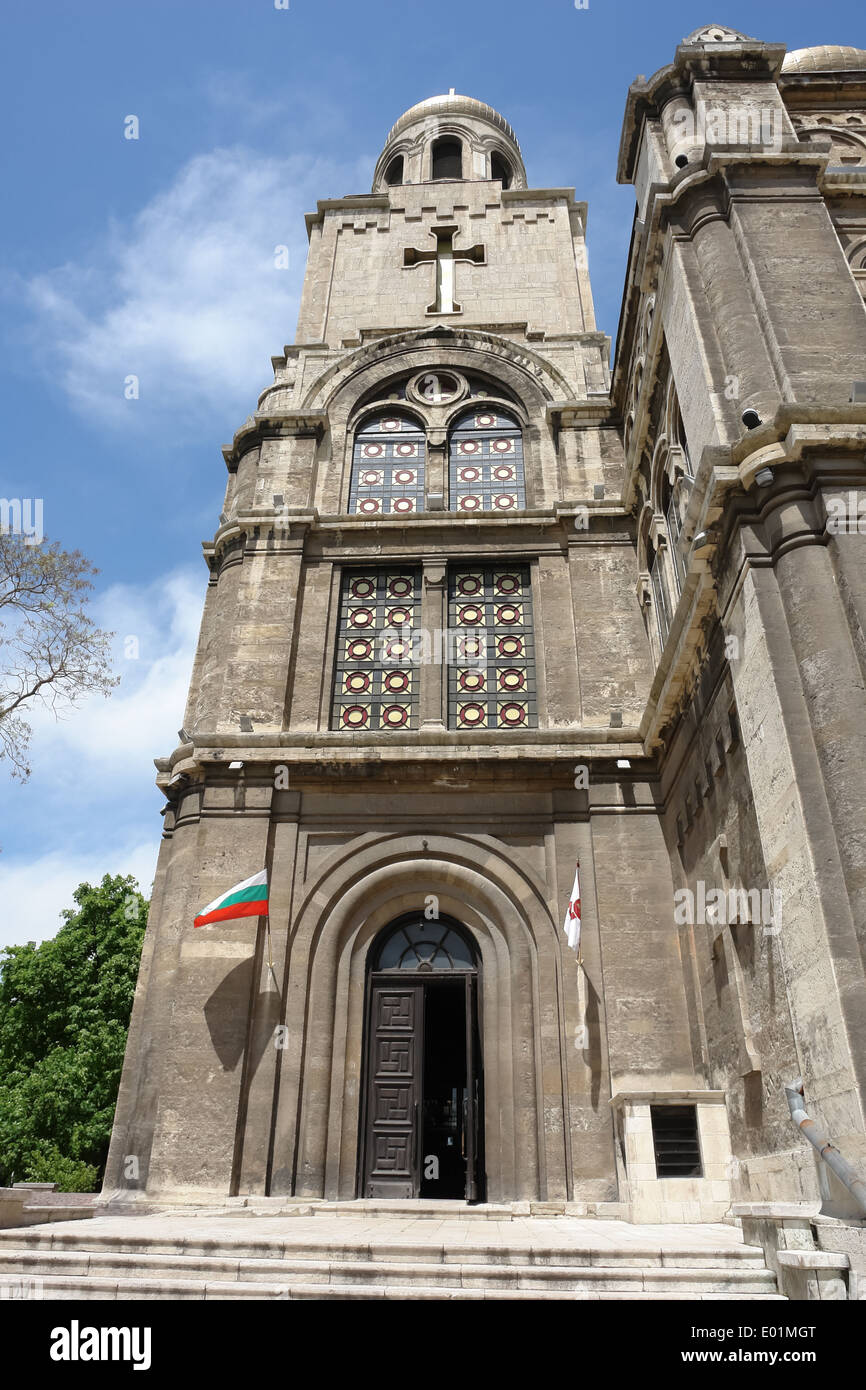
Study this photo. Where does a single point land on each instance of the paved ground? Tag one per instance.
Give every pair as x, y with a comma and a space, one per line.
525, 1233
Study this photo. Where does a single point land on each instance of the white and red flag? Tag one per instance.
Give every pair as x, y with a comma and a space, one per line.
247, 899
571, 925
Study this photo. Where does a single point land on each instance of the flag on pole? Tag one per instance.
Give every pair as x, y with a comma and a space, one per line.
247, 899
571, 925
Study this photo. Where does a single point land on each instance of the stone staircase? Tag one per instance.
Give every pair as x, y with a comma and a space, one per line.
344, 1251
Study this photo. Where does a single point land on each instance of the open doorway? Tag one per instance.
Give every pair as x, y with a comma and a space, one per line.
421, 1127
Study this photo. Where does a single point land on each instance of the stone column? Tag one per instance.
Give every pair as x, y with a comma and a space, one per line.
790, 682
432, 649
436, 470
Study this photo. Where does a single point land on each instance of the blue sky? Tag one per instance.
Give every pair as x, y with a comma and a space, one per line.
155, 257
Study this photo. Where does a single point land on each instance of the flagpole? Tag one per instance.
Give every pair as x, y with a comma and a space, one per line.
270, 953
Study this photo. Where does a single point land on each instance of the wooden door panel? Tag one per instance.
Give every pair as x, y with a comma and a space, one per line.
396, 1051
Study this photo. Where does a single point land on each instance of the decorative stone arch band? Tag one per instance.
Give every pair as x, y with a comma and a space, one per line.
502, 909
531, 383
520, 368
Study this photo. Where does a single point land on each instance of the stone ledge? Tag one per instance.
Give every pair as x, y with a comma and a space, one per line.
812, 1259
776, 1211
660, 1097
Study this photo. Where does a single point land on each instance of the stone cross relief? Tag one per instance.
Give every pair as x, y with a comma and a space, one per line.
445, 257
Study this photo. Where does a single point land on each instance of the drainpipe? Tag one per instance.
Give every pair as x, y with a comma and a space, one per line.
828, 1151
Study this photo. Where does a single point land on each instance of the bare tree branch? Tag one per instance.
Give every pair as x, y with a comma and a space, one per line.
51, 652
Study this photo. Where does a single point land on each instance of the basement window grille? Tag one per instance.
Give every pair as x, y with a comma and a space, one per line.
675, 1141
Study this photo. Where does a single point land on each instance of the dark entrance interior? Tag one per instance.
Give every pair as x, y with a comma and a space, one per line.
443, 1132
421, 1126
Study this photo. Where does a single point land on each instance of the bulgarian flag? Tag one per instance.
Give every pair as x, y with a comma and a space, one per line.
571, 925
247, 899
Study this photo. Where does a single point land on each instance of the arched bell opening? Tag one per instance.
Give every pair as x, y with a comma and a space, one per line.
421, 1131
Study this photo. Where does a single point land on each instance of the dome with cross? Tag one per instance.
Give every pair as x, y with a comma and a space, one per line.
450, 138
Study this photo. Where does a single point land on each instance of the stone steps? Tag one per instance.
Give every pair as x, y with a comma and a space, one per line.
102, 1290
86, 1251
618, 1277
385, 1257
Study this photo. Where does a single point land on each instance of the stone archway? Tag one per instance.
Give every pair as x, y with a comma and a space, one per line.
421, 1131
504, 912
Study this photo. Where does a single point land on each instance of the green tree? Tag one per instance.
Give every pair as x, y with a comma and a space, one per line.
64, 1015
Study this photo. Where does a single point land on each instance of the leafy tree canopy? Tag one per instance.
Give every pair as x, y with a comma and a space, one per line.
64, 1014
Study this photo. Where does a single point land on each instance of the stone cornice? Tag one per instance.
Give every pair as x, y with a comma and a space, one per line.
796, 430
746, 61
666, 201
829, 431
363, 201
297, 424
341, 535
577, 212
677, 1094
211, 752
577, 414
848, 87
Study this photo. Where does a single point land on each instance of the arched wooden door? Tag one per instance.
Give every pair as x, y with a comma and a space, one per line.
421, 1121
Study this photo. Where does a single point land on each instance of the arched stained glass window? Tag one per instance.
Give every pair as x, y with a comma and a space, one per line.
387, 468
425, 946
487, 463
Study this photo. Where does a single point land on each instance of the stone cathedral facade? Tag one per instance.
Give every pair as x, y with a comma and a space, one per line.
479, 608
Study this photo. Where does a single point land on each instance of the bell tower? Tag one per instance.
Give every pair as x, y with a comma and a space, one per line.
422, 669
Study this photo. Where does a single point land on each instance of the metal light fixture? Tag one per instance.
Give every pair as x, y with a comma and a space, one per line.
764, 477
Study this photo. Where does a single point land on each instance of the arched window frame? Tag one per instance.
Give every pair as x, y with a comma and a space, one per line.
448, 137
393, 163
391, 489
675, 430
669, 492
654, 582
449, 933
498, 155
461, 487
658, 584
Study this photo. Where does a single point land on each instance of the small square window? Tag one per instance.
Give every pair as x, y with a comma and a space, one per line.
675, 1141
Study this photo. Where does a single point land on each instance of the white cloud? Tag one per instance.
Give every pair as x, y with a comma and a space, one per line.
35, 891
123, 734
186, 295
90, 807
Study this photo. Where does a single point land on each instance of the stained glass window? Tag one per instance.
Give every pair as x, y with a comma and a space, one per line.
487, 463
387, 468
492, 662
423, 945
376, 681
